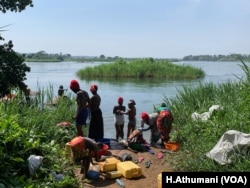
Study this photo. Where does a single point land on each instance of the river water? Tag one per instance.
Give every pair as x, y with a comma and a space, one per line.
145, 93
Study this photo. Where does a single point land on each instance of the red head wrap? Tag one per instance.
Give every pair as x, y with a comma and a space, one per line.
93, 88
144, 116
120, 100
74, 85
78, 143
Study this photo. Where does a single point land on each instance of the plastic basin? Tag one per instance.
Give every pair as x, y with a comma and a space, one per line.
172, 146
104, 150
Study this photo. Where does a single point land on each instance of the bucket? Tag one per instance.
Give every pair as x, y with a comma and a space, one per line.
159, 180
93, 175
172, 146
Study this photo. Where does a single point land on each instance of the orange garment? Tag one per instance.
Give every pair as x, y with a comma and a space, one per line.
164, 124
77, 143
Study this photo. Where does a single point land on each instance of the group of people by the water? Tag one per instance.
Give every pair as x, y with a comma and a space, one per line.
158, 122
88, 107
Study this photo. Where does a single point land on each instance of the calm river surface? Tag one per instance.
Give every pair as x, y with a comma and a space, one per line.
145, 93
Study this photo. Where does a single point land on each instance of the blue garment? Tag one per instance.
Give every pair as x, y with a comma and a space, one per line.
82, 117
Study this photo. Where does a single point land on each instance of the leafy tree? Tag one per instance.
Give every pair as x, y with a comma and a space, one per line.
12, 67
14, 5
102, 56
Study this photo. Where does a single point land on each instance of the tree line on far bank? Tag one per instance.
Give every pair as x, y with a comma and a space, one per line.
231, 57
43, 56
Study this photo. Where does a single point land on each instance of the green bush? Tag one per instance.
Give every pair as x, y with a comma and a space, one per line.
30, 129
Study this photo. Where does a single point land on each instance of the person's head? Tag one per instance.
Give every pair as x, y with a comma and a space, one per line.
61, 90
120, 100
74, 86
163, 104
144, 116
131, 103
99, 145
93, 88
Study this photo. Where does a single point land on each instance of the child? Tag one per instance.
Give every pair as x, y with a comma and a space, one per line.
131, 112
119, 118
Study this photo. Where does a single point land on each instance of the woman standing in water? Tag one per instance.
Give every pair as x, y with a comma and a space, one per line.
96, 130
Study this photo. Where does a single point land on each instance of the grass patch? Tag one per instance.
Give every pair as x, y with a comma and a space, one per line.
196, 137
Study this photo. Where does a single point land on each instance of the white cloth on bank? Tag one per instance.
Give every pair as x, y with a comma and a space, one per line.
206, 115
231, 143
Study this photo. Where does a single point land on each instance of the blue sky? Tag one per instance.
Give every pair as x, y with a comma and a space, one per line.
131, 28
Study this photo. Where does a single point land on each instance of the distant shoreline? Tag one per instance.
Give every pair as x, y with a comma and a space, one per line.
44, 57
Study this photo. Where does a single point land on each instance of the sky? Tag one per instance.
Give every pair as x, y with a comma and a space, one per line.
131, 28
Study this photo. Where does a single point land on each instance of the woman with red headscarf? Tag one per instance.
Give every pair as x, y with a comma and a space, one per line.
119, 118
164, 124
84, 149
96, 130
151, 121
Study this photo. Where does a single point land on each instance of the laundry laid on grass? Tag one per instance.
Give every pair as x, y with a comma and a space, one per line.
231, 143
205, 115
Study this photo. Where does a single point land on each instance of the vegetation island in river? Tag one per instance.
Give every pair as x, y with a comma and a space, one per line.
141, 69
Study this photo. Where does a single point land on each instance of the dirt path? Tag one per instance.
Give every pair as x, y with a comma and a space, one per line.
149, 175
